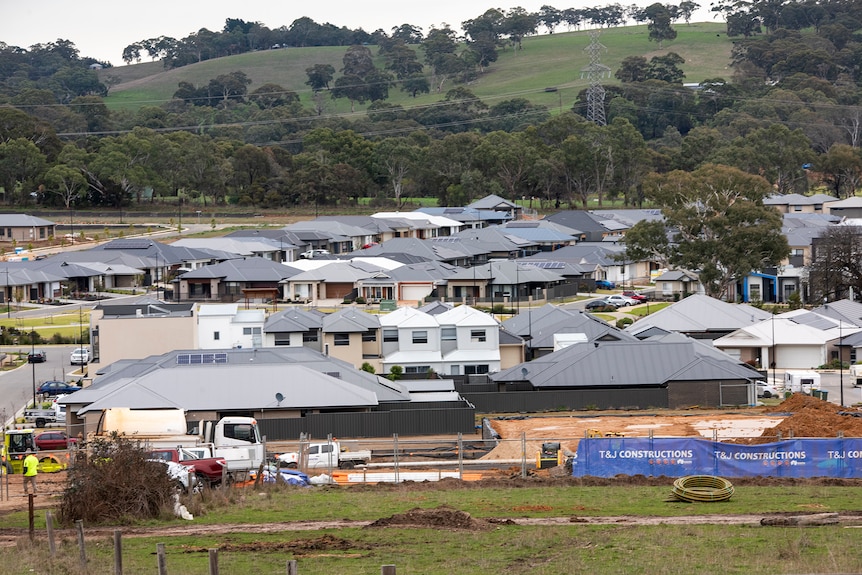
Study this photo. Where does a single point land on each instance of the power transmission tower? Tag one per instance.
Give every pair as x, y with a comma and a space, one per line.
595, 72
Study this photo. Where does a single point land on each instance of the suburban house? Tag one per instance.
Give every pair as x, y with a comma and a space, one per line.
846, 208
461, 341
22, 229
250, 279
419, 224
589, 226
239, 246
505, 281
22, 283
542, 329
542, 233
225, 325
797, 339
469, 218
698, 316
503, 208
289, 390
123, 331
668, 372
353, 336
677, 284
799, 204
294, 327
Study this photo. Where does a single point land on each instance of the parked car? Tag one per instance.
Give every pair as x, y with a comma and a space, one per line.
620, 300
766, 390
313, 254
600, 305
635, 296
49, 440
57, 388
37, 356
605, 284
80, 356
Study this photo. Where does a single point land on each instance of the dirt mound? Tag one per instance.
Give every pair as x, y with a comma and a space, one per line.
297, 547
812, 417
439, 517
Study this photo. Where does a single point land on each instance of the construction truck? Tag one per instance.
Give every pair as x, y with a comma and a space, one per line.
16, 444
235, 439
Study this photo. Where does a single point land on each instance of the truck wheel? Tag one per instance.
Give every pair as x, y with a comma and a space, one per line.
40, 422
347, 465
203, 482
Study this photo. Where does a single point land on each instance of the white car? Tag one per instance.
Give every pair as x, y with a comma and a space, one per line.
766, 390
621, 300
182, 475
313, 254
80, 356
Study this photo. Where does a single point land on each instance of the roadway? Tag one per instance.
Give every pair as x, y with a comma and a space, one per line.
17, 385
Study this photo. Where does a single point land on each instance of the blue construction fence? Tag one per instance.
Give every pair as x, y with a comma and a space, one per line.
678, 457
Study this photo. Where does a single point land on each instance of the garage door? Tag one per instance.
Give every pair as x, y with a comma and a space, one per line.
799, 356
414, 293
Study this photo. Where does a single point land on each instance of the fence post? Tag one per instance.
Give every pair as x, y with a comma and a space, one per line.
213, 554
49, 526
118, 552
387, 570
395, 454
523, 454
161, 559
460, 457
31, 510
291, 567
79, 527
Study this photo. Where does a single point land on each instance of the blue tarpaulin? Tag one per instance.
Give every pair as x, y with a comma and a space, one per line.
678, 457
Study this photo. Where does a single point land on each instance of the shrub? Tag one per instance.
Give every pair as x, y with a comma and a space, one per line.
111, 481
624, 321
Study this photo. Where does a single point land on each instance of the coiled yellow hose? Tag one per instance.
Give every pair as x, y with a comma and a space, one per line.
694, 488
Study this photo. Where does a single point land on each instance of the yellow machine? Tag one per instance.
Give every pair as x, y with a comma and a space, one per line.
551, 455
597, 433
16, 444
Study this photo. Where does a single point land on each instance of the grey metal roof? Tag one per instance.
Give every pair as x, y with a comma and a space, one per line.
23, 221
235, 370
699, 313
493, 202
244, 270
349, 320
293, 320
538, 326
626, 364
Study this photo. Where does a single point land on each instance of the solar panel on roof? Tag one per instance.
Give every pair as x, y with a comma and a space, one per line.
522, 225
128, 245
546, 265
201, 358
447, 239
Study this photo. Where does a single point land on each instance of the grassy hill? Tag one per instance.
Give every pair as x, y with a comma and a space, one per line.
545, 61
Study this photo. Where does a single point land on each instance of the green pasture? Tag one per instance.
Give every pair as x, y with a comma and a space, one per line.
546, 71
568, 547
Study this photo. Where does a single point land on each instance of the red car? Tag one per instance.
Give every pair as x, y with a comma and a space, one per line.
53, 440
635, 295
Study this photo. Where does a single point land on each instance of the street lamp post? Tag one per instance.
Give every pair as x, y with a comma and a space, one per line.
840, 362
33, 363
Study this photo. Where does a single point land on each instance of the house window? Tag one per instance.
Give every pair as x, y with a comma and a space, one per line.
448, 334
754, 293
41, 233
251, 330
417, 369
370, 335
390, 335
342, 339
477, 335
216, 335
420, 336
797, 208
309, 337
475, 369
281, 339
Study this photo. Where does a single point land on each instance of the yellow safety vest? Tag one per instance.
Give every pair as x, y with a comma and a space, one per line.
30, 464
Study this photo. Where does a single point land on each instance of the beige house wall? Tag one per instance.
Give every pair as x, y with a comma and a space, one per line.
350, 353
511, 355
140, 337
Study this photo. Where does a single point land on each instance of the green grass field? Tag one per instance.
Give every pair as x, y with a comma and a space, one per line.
569, 546
545, 61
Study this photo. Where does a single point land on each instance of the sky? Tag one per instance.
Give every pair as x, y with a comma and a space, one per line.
101, 29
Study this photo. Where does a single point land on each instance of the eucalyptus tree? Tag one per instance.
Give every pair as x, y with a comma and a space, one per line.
721, 228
